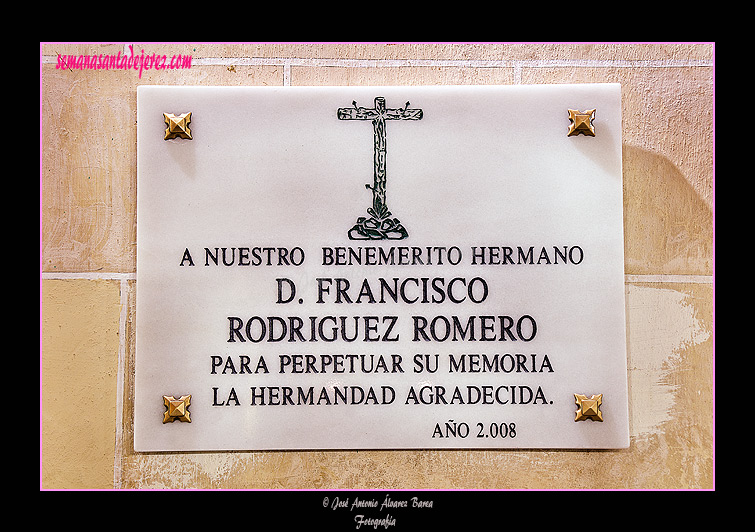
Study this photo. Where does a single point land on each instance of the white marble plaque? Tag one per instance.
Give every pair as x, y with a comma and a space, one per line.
380, 268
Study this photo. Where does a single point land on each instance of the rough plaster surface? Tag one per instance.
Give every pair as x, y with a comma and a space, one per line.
78, 379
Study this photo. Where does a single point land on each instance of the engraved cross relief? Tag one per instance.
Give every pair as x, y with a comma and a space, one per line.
380, 225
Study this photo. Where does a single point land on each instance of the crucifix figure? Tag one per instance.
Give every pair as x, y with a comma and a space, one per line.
380, 225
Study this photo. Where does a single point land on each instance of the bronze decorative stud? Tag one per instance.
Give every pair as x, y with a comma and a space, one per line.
581, 122
178, 126
588, 408
177, 409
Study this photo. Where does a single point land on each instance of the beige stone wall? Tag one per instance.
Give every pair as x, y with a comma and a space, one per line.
88, 265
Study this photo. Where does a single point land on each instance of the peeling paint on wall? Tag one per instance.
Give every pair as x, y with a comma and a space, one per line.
661, 325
